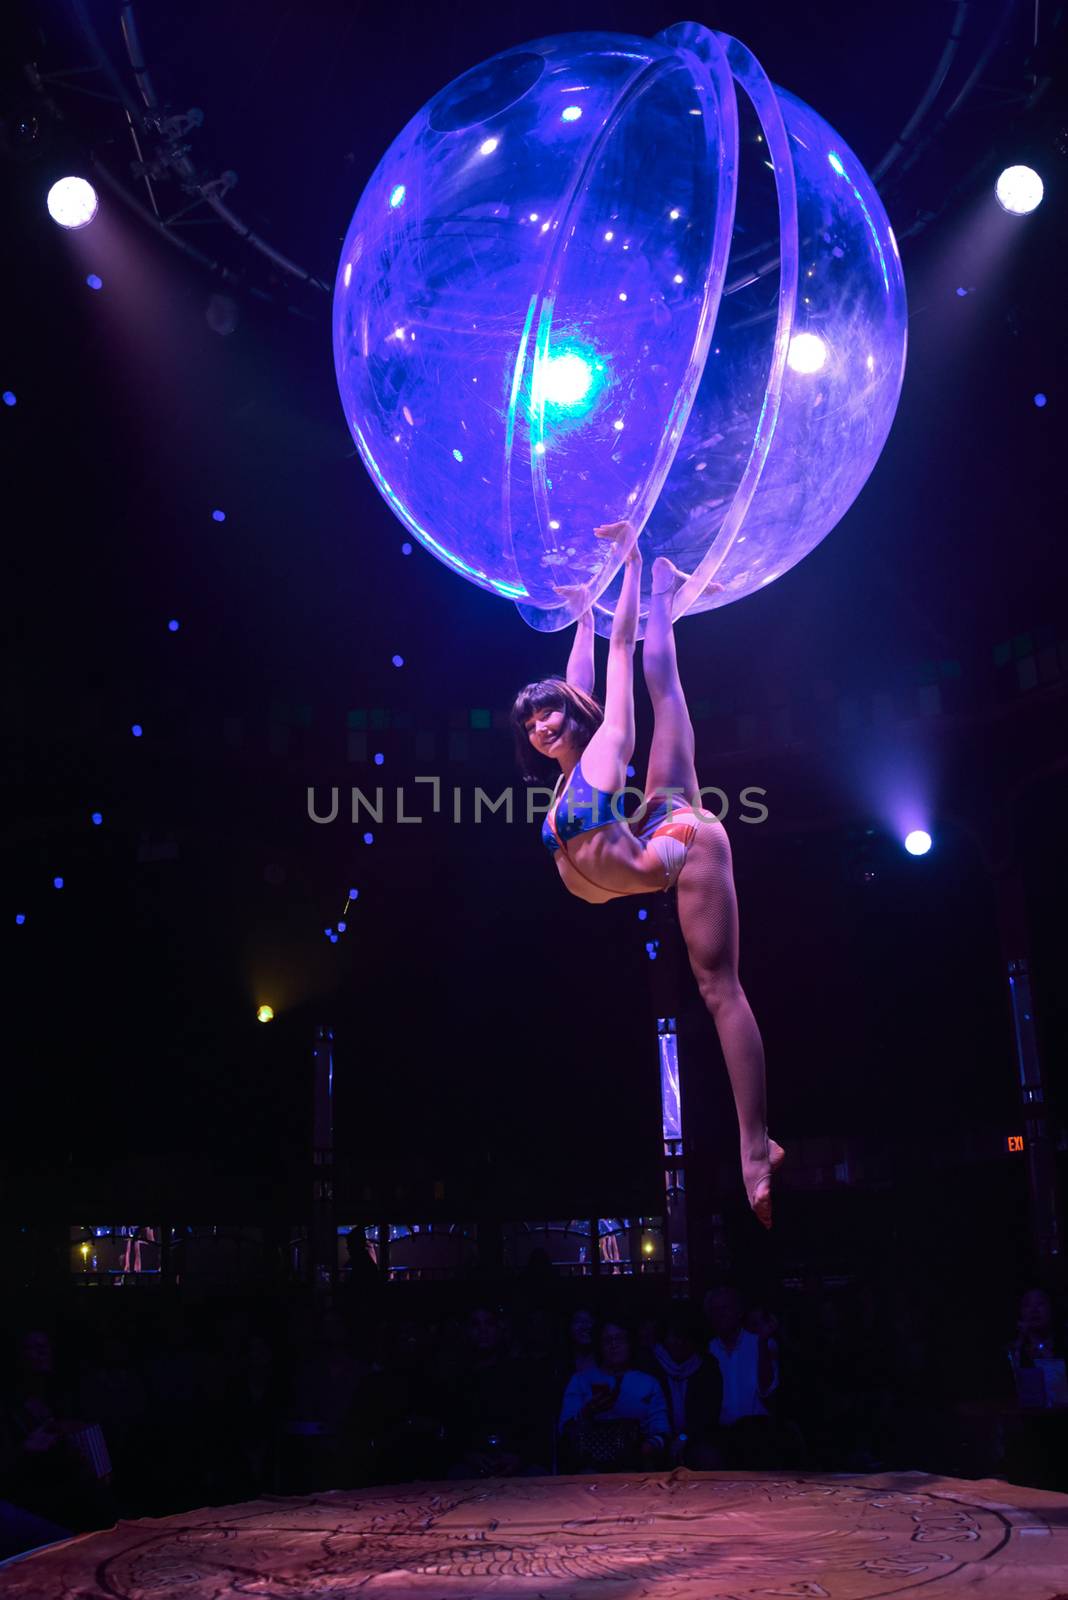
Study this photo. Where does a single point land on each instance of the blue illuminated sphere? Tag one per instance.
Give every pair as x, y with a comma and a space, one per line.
603, 277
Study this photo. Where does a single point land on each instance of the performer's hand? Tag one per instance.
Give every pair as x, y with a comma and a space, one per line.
577, 594
601, 1400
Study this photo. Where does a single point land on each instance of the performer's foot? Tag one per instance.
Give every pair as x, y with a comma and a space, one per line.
621, 533
668, 579
757, 1176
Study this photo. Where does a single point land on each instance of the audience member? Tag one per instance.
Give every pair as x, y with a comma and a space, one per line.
319, 1447
498, 1420
51, 1464
113, 1392
693, 1387
748, 1363
250, 1419
400, 1407
1038, 1336
614, 1416
582, 1341
183, 1383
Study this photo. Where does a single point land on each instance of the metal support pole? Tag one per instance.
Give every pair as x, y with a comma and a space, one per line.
1039, 1144
676, 1232
667, 974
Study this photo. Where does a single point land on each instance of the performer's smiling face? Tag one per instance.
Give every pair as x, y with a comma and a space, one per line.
545, 730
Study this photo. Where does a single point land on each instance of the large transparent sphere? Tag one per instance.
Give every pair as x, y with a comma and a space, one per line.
602, 277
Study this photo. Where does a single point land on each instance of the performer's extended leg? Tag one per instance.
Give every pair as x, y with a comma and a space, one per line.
672, 750
708, 918
708, 910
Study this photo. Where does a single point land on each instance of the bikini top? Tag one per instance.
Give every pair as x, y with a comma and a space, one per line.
577, 809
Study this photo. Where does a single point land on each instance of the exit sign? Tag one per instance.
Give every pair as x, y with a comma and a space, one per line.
1014, 1142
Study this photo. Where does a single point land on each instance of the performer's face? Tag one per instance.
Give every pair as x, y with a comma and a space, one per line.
545, 732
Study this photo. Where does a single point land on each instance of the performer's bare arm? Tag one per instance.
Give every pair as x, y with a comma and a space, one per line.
619, 691
580, 666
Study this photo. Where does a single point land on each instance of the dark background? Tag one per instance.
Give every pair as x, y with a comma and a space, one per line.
496, 1041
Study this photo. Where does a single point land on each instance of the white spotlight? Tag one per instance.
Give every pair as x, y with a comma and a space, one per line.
918, 843
807, 353
72, 202
1019, 190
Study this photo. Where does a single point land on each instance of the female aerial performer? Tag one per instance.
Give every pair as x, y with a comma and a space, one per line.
672, 844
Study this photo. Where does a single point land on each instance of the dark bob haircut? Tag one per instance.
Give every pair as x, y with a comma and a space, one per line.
583, 715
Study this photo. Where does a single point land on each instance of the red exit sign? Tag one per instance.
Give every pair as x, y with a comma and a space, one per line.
1014, 1143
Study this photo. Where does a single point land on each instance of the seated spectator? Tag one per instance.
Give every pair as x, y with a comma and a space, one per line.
319, 1450
183, 1383
1036, 1449
693, 1387
250, 1419
748, 1362
498, 1413
51, 1464
399, 1407
581, 1341
113, 1392
1037, 1333
614, 1417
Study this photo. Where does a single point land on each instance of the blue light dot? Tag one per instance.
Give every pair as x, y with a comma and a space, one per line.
172, 626
1040, 400
341, 927
94, 282
10, 399
398, 661
218, 516
396, 196
630, 771
328, 931
406, 549
458, 455
333, 938
570, 113
137, 730
57, 883
19, 918
961, 293
379, 758
354, 894
642, 914
97, 819
368, 838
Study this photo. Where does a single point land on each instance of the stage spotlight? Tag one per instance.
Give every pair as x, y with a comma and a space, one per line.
807, 353
265, 1014
72, 202
1019, 190
917, 843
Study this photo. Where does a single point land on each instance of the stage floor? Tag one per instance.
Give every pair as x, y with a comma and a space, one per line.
684, 1534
